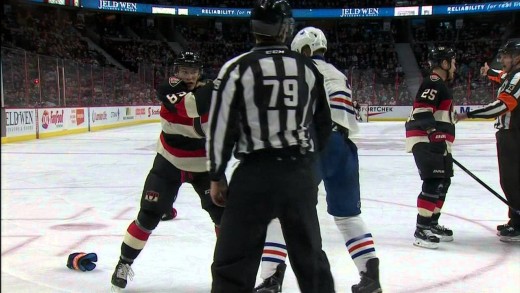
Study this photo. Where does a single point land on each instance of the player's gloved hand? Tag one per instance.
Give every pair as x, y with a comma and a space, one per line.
203, 96
82, 261
218, 191
172, 92
437, 142
205, 91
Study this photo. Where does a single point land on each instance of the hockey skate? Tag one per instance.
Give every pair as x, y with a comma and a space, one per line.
510, 234
445, 234
273, 284
425, 238
502, 227
120, 277
370, 279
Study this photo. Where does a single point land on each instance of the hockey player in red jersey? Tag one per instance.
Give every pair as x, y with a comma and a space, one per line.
181, 158
430, 132
507, 113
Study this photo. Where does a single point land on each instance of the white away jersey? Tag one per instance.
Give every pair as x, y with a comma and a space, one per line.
339, 94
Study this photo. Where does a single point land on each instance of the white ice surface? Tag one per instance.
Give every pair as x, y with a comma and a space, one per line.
80, 192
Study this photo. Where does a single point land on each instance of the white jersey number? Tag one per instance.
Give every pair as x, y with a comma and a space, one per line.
290, 92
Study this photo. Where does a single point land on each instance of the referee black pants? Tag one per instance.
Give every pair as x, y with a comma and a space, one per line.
508, 151
265, 186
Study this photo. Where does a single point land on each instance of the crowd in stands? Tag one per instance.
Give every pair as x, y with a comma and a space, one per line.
39, 31
474, 42
217, 43
64, 57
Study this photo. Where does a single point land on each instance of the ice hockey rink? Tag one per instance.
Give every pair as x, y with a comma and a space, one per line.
78, 193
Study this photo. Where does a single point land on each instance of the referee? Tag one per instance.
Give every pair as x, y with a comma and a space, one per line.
270, 106
506, 110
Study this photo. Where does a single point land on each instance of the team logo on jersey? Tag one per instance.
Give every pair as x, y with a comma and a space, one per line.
173, 81
434, 77
151, 196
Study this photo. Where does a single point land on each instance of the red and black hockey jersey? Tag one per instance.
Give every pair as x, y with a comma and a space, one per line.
432, 109
182, 141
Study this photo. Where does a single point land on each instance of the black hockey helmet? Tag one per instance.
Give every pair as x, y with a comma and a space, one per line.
511, 47
188, 59
439, 54
272, 18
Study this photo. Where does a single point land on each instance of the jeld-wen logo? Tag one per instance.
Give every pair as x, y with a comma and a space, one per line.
19, 118
117, 5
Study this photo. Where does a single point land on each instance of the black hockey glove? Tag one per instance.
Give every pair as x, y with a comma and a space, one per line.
172, 92
82, 261
203, 95
437, 142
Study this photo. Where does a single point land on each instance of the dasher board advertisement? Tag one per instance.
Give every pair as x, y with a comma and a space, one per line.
20, 122
62, 119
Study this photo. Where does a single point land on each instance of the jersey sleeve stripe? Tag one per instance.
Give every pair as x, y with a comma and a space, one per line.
509, 100
424, 106
492, 110
341, 93
341, 100
343, 108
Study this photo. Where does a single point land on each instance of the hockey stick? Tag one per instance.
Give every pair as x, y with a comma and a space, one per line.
486, 186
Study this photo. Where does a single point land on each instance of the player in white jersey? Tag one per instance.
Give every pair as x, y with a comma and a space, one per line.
339, 168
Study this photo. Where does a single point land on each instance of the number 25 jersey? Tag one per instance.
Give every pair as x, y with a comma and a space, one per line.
432, 109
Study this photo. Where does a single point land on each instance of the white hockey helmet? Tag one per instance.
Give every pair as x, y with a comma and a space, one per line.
309, 36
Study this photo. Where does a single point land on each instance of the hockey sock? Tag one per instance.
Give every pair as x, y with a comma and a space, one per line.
358, 240
426, 204
438, 207
275, 251
134, 241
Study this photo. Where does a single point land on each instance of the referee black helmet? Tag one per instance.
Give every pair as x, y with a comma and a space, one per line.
272, 18
511, 47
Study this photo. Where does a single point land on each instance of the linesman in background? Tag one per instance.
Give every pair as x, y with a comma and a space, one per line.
430, 132
507, 113
264, 104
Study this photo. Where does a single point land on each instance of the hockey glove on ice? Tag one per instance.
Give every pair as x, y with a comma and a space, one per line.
172, 92
437, 142
82, 261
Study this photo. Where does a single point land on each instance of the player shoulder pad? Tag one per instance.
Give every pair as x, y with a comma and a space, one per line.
333, 72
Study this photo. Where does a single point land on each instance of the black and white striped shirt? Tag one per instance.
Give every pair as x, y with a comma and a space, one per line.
506, 108
266, 99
